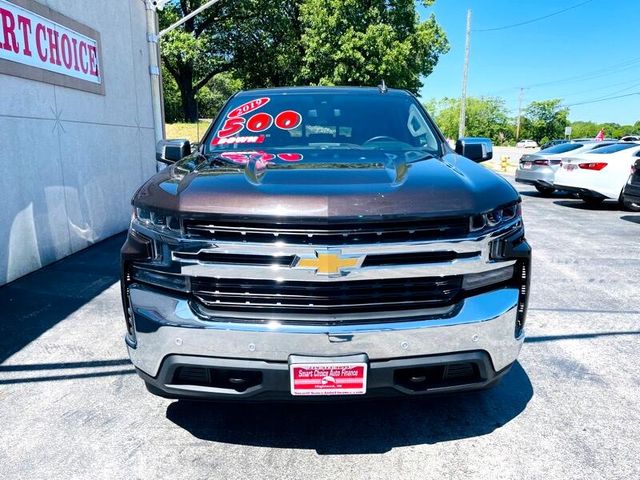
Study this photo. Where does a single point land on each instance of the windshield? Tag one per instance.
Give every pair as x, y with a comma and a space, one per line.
322, 120
562, 148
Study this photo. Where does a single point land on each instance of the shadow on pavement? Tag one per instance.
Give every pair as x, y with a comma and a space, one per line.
631, 218
59, 370
357, 427
608, 206
35, 303
535, 193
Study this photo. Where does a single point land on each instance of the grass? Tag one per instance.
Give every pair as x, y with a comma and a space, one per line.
191, 131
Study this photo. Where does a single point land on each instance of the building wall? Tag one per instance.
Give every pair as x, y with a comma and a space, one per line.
70, 160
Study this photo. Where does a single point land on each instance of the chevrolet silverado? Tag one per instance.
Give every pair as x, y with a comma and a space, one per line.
324, 241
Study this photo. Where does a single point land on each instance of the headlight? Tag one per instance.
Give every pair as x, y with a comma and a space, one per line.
495, 218
155, 220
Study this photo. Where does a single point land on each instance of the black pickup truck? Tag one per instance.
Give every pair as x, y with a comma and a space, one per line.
324, 242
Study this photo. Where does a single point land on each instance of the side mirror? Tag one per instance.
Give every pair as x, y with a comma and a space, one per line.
170, 151
478, 149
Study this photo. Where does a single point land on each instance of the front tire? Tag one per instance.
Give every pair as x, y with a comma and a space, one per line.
634, 207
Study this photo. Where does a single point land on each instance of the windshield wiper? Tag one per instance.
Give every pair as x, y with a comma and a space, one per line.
221, 161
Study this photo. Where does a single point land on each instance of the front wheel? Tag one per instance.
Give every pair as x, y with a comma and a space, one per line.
545, 191
633, 207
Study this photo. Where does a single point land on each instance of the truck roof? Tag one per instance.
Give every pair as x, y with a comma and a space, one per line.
339, 90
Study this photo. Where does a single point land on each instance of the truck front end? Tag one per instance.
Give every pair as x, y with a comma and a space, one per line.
305, 271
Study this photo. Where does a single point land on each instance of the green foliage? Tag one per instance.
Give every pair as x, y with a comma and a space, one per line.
212, 98
544, 119
172, 103
254, 39
209, 99
581, 129
296, 42
359, 42
486, 117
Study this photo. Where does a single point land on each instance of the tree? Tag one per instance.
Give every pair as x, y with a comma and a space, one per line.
545, 120
258, 40
360, 42
266, 43
212, 98
485, 117
581, 129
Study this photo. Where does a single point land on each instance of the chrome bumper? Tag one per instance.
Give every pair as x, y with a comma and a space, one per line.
166, 325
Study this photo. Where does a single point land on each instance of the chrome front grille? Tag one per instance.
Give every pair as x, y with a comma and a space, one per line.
327, 233
246, 270
323, 298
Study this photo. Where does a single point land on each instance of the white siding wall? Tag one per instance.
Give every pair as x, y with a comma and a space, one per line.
71, 160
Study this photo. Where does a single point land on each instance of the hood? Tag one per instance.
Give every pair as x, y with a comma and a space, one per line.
323, 183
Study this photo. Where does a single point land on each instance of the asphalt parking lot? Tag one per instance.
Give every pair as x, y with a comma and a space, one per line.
71, 406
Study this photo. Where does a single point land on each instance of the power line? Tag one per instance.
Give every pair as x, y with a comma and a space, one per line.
602, 72
616, 68
599, 100
533, 19
626, 89
629, 85
633, 82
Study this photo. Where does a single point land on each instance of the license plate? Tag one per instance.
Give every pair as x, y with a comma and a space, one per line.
328, 378
526, 165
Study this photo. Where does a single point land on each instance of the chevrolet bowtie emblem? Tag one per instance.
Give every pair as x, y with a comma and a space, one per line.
329, 262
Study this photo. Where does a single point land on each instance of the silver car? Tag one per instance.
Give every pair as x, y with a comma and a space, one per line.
539, 169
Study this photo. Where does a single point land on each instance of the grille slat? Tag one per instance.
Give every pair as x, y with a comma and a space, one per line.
320, 296
355, 231
334, 297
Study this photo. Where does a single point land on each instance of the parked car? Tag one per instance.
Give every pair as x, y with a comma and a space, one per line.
324, 241
631, 192
600, 174
553, 143
630, 138
527, 144
539, 169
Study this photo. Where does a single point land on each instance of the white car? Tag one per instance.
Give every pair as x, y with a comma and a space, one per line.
600, 174
527, 144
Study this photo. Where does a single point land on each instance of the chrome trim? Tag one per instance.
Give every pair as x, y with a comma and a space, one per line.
319, 318
166, 325
479, 263
279, 249
284, 273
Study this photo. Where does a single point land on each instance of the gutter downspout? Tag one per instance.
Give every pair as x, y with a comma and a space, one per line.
153, 39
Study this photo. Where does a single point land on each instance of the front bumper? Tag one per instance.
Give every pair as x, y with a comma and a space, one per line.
479, 331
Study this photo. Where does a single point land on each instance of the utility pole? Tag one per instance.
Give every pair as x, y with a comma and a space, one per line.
519, 113
465, 75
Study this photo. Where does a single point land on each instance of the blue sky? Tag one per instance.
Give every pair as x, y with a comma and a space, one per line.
599, 43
